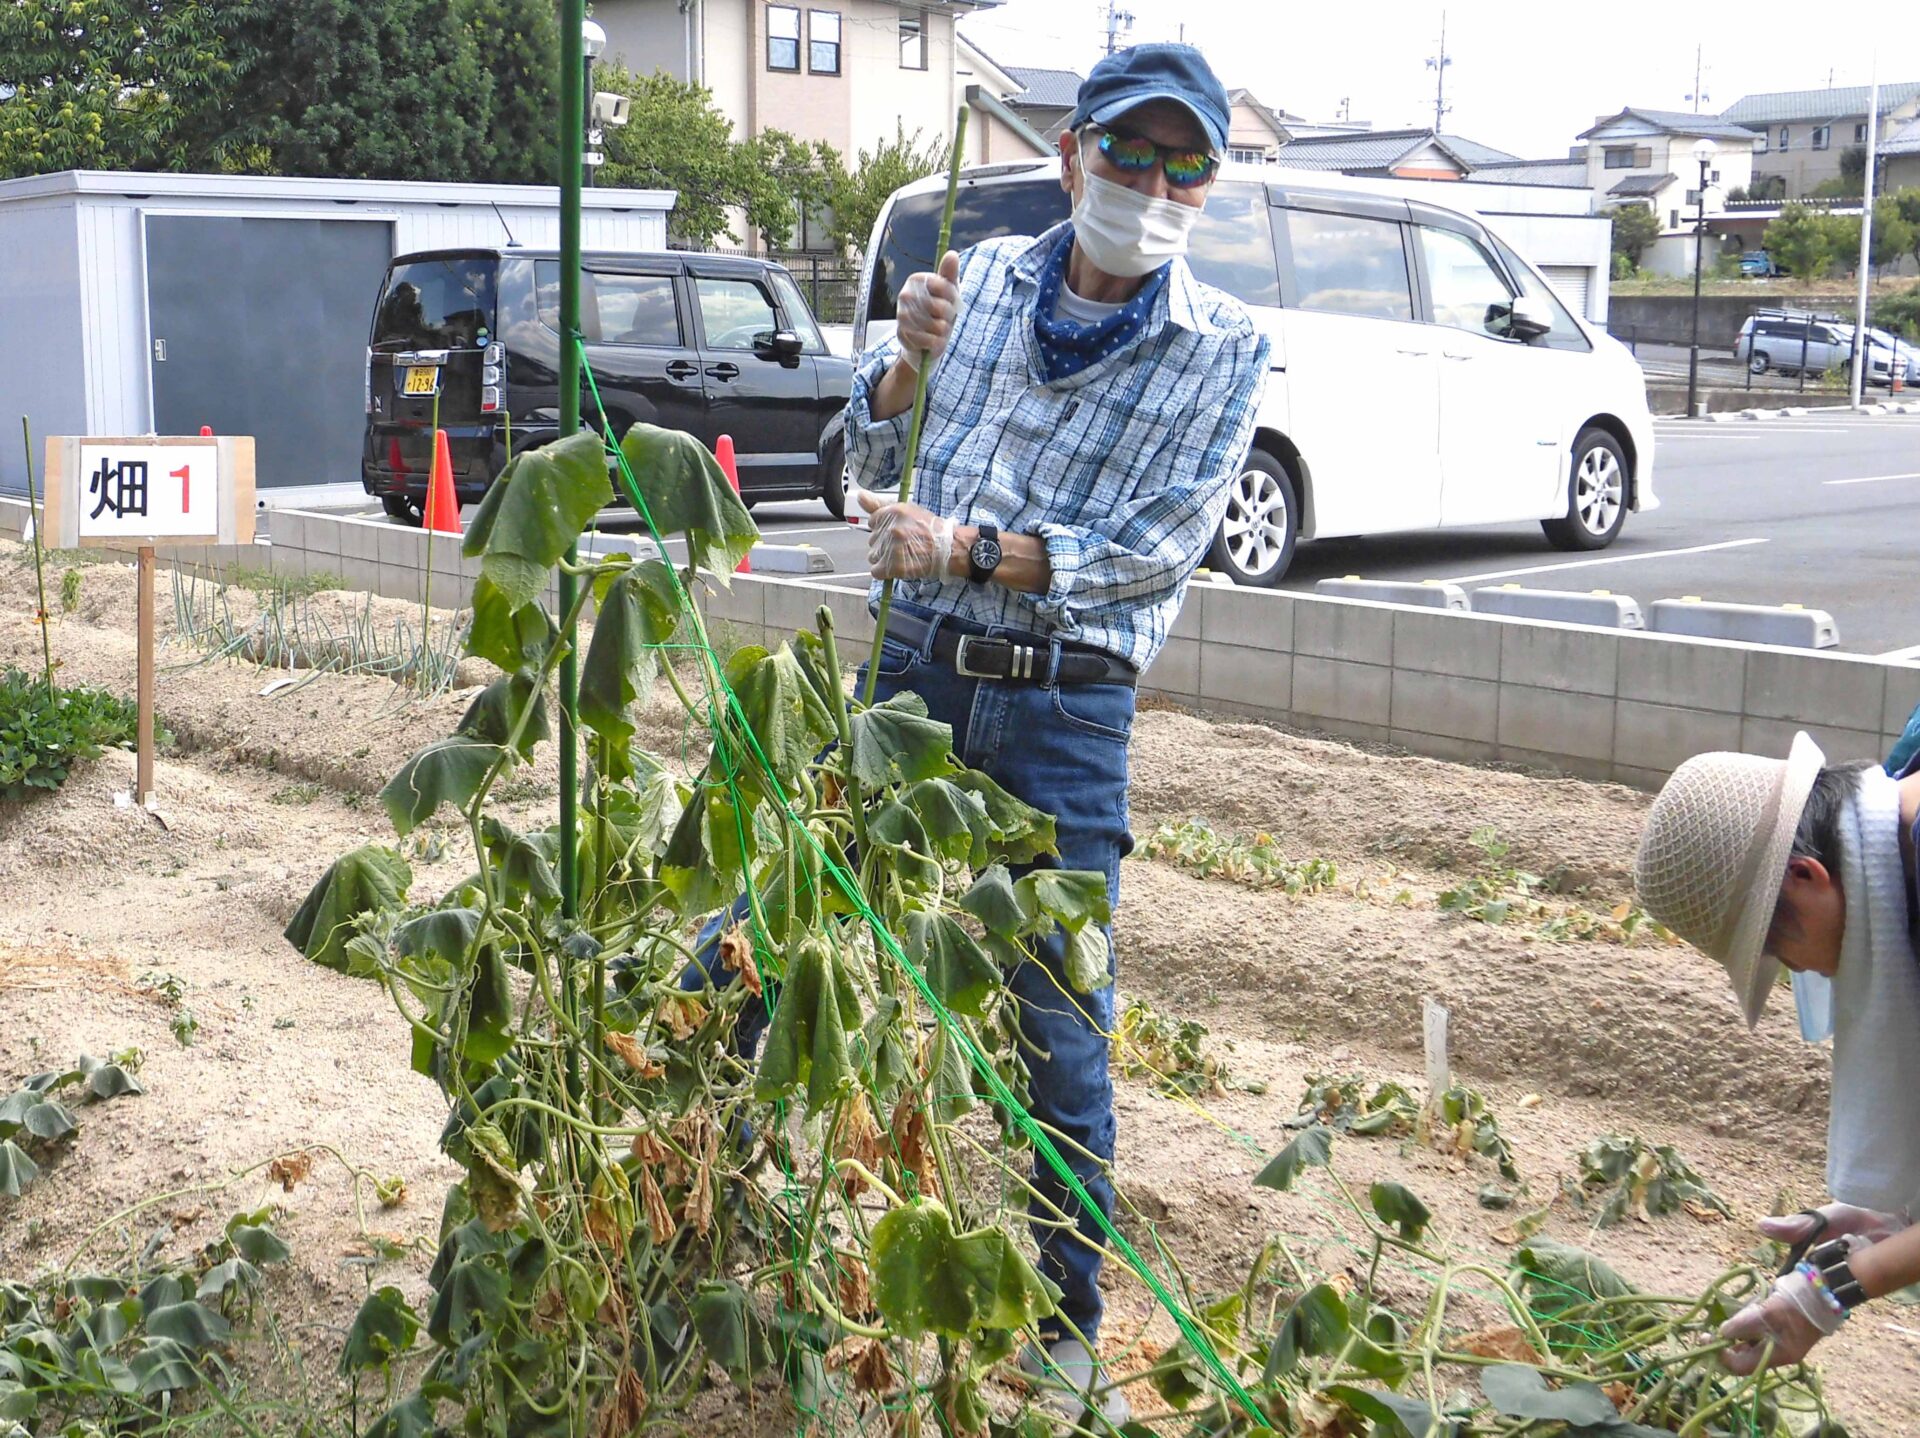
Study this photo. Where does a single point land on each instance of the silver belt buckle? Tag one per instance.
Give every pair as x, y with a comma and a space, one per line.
1020, 666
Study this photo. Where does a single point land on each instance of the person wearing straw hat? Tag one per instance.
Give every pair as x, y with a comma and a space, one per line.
1089, 404
1768, 865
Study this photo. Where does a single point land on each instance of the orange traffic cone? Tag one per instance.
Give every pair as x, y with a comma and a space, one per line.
723, 451
443, 505
206, 431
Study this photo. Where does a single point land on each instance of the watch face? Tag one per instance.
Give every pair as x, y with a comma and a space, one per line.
984, 554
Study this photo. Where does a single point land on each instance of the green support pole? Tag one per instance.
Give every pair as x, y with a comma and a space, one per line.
573, 141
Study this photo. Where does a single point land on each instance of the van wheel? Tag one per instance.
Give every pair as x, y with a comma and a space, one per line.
1261, 525
1758, 364
1596, 494
833, 480
407, 511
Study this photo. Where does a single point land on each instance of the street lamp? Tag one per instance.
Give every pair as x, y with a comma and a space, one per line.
593, 44
1703, 150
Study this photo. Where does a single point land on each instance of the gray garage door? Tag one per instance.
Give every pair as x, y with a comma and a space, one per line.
1571, 283
260, 327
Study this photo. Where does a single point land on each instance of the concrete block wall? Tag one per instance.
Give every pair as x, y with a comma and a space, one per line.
1601, 704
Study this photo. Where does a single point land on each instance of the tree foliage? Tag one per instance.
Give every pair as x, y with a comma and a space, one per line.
1801, 241
1634, 228
1906, 203
858, 194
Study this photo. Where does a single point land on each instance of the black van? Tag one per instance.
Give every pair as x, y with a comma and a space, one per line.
709, 344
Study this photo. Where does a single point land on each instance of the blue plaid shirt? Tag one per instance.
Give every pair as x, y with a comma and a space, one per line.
1122, 469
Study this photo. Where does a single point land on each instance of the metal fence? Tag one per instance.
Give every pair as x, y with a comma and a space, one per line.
831, 284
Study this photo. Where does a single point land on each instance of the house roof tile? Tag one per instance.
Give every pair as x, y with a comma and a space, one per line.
1045, 89
1377, 149
1777, 105
1679, 122
1643, 185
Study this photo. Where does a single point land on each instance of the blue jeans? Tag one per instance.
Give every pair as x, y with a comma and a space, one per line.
1062, 749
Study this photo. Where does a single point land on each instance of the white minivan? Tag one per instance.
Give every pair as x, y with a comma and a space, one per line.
1424, 375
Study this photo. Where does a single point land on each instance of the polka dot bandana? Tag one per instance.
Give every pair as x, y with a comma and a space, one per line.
1067, 348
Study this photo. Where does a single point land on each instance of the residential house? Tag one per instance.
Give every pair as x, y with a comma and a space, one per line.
1046, 97
1401, 154
1570, 173
1645, 157
1900, 157
1256, 133
849, 72
1803, 135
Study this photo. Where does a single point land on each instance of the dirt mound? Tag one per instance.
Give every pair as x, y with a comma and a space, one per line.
1332, 800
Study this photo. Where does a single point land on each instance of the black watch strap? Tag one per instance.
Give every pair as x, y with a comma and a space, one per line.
983, 555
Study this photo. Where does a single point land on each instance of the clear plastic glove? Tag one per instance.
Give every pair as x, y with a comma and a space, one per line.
927, 305
1793, 1317
1861, 1227
906, 541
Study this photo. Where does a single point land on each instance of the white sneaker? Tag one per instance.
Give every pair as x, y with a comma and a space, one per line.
1068, 1382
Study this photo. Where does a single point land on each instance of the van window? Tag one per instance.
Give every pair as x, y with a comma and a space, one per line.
799, 317
1565, 334
436, 304
734, 313
1349, 264
1232, 247
1465, 290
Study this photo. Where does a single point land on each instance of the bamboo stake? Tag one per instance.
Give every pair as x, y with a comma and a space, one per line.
34, 518
919, 401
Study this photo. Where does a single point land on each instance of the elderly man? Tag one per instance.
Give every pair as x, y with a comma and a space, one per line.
1089, 402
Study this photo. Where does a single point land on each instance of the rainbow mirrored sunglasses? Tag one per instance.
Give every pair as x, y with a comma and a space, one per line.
1186, 168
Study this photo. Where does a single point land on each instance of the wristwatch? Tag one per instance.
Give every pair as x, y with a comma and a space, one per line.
983, 555
1829, 1260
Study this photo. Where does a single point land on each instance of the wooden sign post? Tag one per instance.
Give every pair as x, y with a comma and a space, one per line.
112, 493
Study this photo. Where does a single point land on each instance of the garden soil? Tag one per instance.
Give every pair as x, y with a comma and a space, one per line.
259, 791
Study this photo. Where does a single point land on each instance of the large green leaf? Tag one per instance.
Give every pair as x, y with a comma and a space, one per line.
896, 742
1398, 1205
929, 1279
16, 1169
816, 1010
1019, 833
382, 1330
50, 1121
1089, 959
444, 934
1521, 1391
509, 635
957, 969
474, 1290
538, 506
1315, 1327
372, 879
164, 1366
686, 492
107, 1080
1002, 908
1313, 1149
786, 714
955, 820
192, 1325
489, 1009
1073, 898
493, 716
638, 613
525, 862
258, 1242
447, 771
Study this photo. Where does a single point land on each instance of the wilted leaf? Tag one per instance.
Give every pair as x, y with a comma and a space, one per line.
1315, 1327
525, 862
1001, 908
445, 934
1313, 1149
163, 1366
412, 1418
508, 635
958, 971
1508, 1343
493, 716
16, 1169
474, 1289
447, 771
1073, 898
686, 492
1520, 1391
535, 509
1089, 959
729, 1331
1393, 1413
257, 1242
807, 1040
50, 1121
895, 742
1398, 1205
192, 1325
638, 613
1019, 833
928, 1279
371, 879
789, 722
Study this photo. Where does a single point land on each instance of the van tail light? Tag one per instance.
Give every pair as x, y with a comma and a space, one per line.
493, 378
490, 399
496, 354
369, 379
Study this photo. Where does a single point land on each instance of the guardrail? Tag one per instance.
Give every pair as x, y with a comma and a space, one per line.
1608, 704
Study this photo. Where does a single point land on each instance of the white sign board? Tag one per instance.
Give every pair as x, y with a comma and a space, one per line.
143, 491
149, 489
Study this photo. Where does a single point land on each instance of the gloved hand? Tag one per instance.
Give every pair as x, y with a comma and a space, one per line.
1793, 1316
927, 305
1861, 1227
906, 541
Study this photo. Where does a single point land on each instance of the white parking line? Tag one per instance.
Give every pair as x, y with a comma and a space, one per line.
1608, 559
1873, 478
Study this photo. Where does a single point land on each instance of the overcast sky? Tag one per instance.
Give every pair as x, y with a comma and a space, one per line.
1518, 80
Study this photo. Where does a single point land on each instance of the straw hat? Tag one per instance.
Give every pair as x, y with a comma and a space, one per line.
1714, 853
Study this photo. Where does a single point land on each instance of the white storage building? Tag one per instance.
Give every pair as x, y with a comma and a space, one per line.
152, 303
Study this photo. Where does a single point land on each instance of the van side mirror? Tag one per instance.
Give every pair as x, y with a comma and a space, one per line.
783, 345
1529, 318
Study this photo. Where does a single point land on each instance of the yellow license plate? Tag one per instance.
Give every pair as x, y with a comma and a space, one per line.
422, 379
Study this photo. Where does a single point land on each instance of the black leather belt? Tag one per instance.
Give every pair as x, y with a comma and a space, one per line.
1023, 658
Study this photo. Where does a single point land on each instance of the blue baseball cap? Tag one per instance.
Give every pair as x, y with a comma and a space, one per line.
1131, 77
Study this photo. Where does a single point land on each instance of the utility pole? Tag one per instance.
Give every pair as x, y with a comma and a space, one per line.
1118, 23
1438, 64
1859, 376
1699, 95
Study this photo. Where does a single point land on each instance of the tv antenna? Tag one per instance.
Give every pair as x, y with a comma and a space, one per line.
1438, 64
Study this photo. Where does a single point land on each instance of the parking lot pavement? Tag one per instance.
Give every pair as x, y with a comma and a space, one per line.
1817, 511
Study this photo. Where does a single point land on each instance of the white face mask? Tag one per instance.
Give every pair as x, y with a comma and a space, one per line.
1125, 233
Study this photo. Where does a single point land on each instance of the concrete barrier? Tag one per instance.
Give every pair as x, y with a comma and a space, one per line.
791, 559
1597, 703
1426, 594
1600, 608
1787, 625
